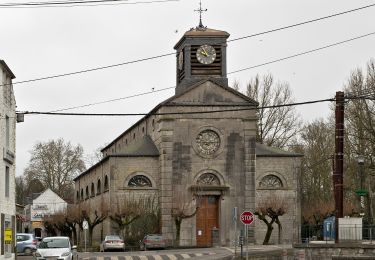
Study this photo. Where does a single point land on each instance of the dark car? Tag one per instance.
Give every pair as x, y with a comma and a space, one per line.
26, 243
152, 241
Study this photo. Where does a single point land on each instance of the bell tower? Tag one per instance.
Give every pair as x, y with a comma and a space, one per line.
201, 54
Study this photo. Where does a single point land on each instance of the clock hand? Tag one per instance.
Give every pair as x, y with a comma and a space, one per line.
205, 52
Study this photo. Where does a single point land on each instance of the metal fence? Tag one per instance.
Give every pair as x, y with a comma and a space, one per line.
346, 233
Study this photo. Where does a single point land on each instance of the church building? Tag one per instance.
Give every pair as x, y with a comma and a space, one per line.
199, 144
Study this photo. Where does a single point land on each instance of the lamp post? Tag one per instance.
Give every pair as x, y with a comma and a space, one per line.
361, 192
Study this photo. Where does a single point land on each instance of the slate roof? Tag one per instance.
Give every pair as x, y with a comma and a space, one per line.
143, 147
262, 150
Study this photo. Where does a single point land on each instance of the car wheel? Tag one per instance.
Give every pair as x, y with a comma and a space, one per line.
27, 251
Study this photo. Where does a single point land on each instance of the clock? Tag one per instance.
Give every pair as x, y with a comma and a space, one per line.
181, 60
206, 54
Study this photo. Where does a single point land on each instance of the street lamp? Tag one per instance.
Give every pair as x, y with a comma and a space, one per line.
361, 192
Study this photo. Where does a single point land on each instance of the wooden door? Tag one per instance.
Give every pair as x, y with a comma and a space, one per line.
207, 219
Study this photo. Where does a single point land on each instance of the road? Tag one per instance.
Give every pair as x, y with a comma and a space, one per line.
173, 254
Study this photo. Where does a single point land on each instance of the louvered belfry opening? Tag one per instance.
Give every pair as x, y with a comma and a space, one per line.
198, 68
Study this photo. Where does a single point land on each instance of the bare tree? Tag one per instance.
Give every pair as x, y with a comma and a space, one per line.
93, 217
130, 209
184, 206
269, 210
360, 133
317, 142
279, 125
55, 164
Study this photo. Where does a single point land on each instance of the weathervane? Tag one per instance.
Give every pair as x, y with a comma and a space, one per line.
200, 10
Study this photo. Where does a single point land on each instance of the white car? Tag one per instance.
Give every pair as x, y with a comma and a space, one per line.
55, 248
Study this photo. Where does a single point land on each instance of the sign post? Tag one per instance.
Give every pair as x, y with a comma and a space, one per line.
235, 210
85, 226
247, 218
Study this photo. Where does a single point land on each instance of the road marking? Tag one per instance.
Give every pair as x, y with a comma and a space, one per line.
128, 257
185, 255
158, 257
172, 257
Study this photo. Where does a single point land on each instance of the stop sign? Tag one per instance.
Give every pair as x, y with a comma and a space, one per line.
247, 217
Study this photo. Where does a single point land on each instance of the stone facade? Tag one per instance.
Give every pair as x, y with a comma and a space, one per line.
277, 176
7, 161
199, 144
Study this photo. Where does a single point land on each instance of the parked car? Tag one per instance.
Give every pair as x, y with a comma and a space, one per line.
112, 242
152, 241
26, 243
55, 248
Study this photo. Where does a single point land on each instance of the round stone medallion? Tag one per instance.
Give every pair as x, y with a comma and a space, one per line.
207, 142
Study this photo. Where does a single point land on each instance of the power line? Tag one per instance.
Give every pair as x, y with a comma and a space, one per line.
303, 23
175, 113
303, 53
112, 100
232, 72
174, 53
57, 4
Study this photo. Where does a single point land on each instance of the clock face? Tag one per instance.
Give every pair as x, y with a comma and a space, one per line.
206, 54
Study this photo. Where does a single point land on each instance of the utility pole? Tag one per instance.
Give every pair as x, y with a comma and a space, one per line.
339, 160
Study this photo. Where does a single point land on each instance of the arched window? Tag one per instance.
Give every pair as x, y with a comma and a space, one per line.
106, 183
92, 189
208, 179
82, 198
99, 187
77, 196
270, 181
87, 192
139, 181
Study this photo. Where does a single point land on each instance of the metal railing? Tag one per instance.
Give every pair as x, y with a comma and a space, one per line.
360, 233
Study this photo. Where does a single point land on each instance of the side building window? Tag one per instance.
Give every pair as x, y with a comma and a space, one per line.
106, 187
139, 181
92, 189
270, 182
7, 181
99, 187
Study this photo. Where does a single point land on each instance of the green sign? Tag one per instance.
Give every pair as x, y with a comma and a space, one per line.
361, 192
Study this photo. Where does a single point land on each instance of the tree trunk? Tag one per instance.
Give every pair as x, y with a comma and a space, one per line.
268, 234
178, 230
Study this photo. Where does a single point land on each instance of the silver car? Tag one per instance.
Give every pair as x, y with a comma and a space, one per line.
112, 242
55, 248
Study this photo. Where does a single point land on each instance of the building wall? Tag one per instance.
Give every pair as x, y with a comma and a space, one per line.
7, 160
287, 169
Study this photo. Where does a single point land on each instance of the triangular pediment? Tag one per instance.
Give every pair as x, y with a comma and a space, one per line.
209, 92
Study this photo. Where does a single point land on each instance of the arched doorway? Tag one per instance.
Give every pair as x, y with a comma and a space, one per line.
209, 190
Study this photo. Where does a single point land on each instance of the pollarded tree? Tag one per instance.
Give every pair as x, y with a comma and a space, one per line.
269, 210
184, 206
93, 217
279, 125
55, 164
130, 209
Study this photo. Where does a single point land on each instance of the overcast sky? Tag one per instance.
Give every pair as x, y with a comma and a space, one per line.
40, 42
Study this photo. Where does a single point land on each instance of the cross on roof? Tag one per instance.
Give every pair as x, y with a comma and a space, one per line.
200, 10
